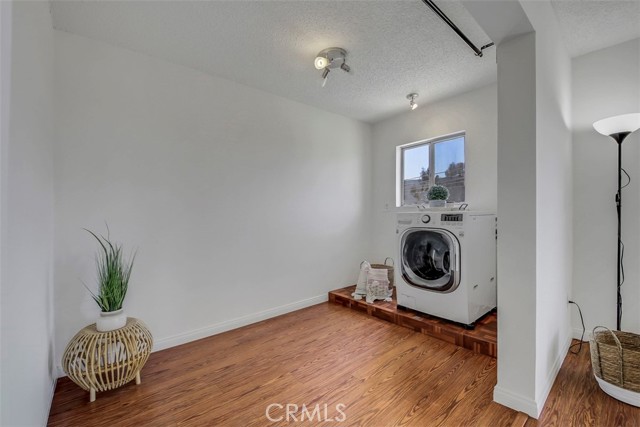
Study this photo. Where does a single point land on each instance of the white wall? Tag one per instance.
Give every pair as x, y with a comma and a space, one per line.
534, 199
474, 112
605, 83
517, 223
242, 204
554, 203
27, 368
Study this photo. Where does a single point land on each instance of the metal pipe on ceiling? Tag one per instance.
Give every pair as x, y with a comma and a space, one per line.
454, 27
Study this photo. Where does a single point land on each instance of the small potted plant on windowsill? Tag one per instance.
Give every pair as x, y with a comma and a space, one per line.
437, 196
113, 281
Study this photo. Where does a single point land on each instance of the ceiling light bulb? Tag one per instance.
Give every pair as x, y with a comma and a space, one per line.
321, 62
413, 105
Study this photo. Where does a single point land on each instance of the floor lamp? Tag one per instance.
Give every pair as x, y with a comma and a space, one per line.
618, 128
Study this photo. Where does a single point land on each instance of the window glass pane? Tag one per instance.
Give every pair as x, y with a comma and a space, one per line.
415, 161
449, 166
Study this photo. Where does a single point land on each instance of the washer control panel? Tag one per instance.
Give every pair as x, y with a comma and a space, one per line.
426, 219
451, 218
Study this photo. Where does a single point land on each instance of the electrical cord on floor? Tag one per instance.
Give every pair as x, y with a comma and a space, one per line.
579, 344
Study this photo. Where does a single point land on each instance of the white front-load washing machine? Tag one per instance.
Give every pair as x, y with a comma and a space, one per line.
447, 264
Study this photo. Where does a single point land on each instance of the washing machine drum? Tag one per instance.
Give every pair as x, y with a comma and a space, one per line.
429, 259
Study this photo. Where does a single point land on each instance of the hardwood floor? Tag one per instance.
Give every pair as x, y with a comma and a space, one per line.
576, 399
384, 374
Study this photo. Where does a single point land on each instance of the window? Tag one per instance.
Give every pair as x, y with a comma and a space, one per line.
425, 163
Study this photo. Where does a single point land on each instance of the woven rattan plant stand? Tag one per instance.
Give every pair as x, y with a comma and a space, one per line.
100, 361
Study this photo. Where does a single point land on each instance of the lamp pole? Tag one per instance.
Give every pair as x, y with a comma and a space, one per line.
619, 138
618, 128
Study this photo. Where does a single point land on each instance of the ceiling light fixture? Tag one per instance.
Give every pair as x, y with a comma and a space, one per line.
412, 100
330, 58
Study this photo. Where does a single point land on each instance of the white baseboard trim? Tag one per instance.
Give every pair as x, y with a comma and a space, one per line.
515, 401
226, 325
541, 398
577, 333
52, 391
238, 322
60, 372
533, 407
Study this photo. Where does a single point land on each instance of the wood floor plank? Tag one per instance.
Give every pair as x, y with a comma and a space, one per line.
576, 400
385, 374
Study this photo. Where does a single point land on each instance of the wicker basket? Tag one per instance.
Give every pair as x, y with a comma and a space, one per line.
615, 357
387, 267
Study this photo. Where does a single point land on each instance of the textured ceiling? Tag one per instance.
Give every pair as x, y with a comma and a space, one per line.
589, 25
394, 47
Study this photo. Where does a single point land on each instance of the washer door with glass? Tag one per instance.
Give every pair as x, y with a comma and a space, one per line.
430, 259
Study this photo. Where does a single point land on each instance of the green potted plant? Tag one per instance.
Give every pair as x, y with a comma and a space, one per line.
437, 196
113, 281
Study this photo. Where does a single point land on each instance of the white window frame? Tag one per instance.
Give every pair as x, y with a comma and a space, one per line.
431, 142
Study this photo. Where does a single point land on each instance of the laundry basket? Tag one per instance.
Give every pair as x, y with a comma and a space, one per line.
615, 357
387, 267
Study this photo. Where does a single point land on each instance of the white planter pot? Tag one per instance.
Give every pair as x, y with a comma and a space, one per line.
437, 203
111, 320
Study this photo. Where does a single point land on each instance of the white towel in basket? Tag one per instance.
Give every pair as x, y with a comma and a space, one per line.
378, 285
361, 286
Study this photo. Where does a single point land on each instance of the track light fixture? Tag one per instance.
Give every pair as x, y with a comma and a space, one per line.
330, 58
458, 31
412, 100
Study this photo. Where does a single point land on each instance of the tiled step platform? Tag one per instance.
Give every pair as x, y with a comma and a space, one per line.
481, 340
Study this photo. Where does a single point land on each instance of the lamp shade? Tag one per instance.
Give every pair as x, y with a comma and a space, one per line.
618, 124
